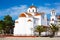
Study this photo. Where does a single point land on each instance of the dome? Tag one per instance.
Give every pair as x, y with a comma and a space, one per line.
22, 15
32, 7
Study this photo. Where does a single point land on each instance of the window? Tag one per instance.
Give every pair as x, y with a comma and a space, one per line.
29, 10
53, 13
52, 19
29, 20
16, 22
33, 10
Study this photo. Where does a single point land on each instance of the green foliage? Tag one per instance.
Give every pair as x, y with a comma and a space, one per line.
1, 25
54, 28
39, 29
8, 20
6, 24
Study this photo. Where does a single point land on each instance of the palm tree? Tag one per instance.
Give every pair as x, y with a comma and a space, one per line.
39, 29
54, 29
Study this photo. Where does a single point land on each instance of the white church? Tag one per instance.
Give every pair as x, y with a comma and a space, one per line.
24, 25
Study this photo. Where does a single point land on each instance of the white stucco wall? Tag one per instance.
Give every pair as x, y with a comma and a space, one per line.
53, 17
38, 20
23, 27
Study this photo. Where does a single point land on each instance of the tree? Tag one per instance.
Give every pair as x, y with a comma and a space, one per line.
54, 28
8, 23
2, 26
39, 29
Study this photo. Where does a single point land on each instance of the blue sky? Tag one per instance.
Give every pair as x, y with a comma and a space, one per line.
15, 7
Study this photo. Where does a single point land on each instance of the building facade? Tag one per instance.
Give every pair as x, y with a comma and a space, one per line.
24, 25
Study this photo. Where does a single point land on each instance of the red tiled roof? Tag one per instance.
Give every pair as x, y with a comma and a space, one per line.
29, 14
22, 15
37, 14
32, 7
58, 17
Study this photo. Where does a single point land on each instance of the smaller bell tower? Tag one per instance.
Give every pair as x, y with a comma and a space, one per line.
53, 17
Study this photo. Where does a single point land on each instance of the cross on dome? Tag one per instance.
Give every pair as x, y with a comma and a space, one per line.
32, 6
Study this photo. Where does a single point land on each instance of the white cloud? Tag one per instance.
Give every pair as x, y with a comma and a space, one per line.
14, 11
57, 4
47, 4
57, 8
58, 11
44, 9
18, 10
47, 10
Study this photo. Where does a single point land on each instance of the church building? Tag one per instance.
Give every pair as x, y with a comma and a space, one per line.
24, 25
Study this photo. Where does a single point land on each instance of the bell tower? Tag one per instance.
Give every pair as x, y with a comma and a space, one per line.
53, 17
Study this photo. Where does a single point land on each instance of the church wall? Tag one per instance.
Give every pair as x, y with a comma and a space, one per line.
37, 20
24, 27
53, 17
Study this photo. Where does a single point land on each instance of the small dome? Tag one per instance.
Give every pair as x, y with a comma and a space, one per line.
22, 15
32, 7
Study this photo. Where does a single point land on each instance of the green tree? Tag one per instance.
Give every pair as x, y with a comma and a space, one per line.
54, 28
2, 26
39, 29
8, 23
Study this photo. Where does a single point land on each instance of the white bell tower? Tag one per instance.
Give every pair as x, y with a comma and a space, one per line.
53, 17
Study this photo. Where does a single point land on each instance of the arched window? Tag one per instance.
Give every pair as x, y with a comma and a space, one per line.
16, 22
29, 20
32, 10
29, 10
52, 19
